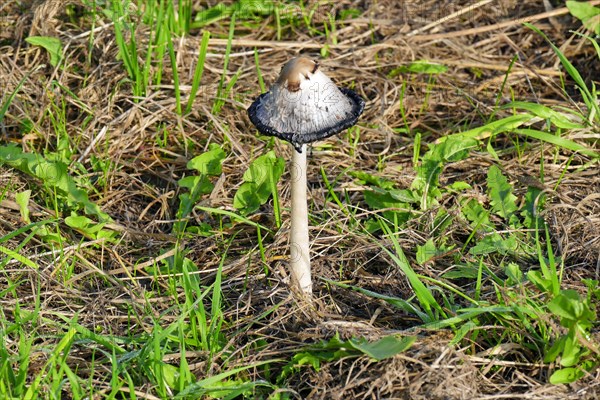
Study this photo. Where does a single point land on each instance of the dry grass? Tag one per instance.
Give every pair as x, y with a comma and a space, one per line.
140, 191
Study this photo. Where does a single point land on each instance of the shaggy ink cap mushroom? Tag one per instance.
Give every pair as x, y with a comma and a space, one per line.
304, 105
301, 107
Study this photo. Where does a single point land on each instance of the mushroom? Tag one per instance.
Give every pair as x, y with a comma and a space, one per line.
301, 107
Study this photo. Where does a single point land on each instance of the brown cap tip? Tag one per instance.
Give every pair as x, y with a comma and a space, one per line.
294, 70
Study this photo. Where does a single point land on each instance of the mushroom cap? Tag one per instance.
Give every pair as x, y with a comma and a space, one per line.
304, 105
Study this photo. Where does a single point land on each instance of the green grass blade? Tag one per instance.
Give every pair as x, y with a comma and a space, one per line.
590, 100
198, 72
426, 299
559, 119
173, 58
16, 256
465, 315
507, 124
11, 96
208, 384
219, 101
397, 302
261, 81
558, 141
593, 41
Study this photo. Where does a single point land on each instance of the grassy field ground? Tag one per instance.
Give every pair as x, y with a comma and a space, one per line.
144, 221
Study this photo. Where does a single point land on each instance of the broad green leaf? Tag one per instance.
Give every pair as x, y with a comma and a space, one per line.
52, 45
350, 13
326, 350
50, 235
259, 171
208, 163
199, 185
460, 186
514, 273
335, 349
555, 350
451, 149
427, 181
22, 199
429, 251
88, 227
404, 195
378, 199
54, 175
495, 243
587, 13
366, 178
383, 348
569, 305
14, 157
426, 67
476, 214
426, 252
228, 389
502, 200
490, 149
567, 375
307, 358
572, 351
169, 373
82, 223
540, 281
260, 179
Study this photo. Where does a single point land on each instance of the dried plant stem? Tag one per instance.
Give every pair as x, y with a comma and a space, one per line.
299, 241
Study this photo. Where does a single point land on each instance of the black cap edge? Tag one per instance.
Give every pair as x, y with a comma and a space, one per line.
298, 140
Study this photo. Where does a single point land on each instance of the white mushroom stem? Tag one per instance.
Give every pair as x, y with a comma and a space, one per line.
299, 241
